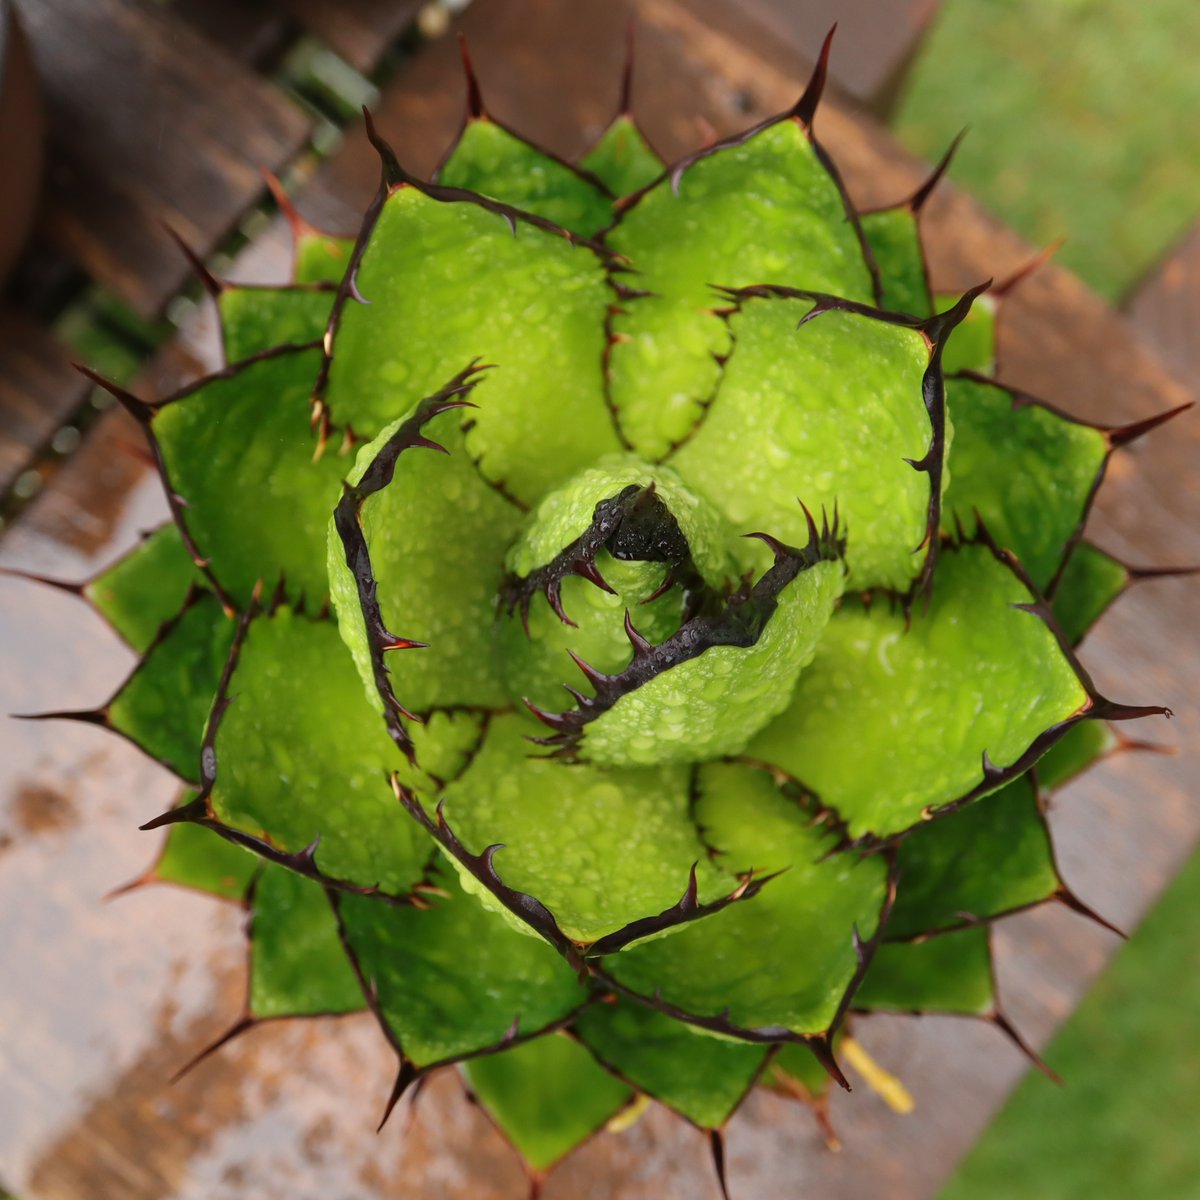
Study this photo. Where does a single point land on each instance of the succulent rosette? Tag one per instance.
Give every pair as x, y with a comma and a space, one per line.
698, 446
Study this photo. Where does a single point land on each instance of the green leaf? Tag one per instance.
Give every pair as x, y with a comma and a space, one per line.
320, 257
598, 847
436, 534
566, 513
254, 319
989, 858
827, 413
495, 162
891, 722
298, 967
164, 704
1089, 583
1080, 747
195, 857
242, 439
713, 704
1028, 471
145, 587
703, 1078
951, 973
452, 979
536, 665
548, 1096
784, 958
301, 755
449, 281
757, 210
895, 239
622, 159
798, 1065
972, 346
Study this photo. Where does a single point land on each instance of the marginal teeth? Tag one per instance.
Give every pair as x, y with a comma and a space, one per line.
586, 568
553, 591
641, 646
598, 679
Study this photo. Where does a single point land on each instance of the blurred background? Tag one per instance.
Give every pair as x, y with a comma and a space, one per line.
119, 115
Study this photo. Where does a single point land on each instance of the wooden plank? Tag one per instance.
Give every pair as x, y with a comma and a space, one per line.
38, 391
288, 1111
876, 42
149, 122
1165, 309
256, 33
361, 31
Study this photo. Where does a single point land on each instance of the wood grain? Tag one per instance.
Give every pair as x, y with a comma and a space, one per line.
1165, 308
38, 391
359, 30
149, 122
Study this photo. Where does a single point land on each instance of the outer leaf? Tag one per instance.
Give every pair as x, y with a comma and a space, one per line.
320, 257
452, 980
297, 964
495, 162
163, 706
928, 709
1089, 583
778, 966
792, 1065
548, 1096
1028, 471
948, 974
530, 300
836, 412
992, 857
195, 857
254, 319
760, 208
702, 1078
894, 236
146, 587
622, 159
1079, 748
301, 756
246, 431
972, 347
895, 239
599, 848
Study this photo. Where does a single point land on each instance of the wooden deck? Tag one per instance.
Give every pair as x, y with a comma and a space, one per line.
99, 1003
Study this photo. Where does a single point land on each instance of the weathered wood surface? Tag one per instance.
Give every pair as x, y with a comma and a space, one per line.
359, 32
149, 122
1165, 308
38, 391
100, 1002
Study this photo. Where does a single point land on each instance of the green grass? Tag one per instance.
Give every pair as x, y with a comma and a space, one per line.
1127, 1123
1082, 117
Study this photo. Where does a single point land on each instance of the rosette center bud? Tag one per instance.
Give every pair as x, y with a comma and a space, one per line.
634, 621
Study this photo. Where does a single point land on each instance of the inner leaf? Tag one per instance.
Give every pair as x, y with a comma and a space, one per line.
783, 960
301, 755
895, 714
518, 295
833, 413
758, 210
451, 979
600, 848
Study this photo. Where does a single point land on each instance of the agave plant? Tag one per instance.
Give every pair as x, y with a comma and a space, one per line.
710, 457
